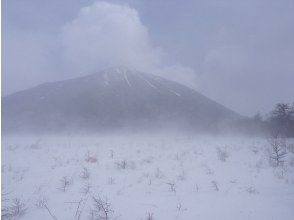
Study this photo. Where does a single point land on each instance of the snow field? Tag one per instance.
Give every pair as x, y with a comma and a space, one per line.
140, 177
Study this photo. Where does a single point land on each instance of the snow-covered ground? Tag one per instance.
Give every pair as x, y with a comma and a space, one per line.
133, 177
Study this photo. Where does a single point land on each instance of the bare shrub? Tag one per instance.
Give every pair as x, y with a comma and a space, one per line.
182, 176
255, 150
177, 156
148, 160
57, 162
78, 210
111, 180
15, 211
150, 216
13, 147
36, 145
158, 174
65, 182
180, 208
222, 154
42, 203
149, 181
172, 187
102, 209
278, 150
85, 173
18, 208
215, 185
121, 164
111, 154
209, 171
251, 190
91, 158
86, 189
280, 173
4, 200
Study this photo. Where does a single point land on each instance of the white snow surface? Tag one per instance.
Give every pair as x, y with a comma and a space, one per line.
177, 94
149, 83
242, 186
124, 72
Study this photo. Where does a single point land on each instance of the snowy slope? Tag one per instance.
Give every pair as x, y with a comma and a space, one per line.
111, 99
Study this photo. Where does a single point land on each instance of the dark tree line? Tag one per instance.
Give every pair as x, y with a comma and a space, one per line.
278, 123
281, 120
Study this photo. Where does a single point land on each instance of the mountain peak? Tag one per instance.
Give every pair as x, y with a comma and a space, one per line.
115, 98
120, 69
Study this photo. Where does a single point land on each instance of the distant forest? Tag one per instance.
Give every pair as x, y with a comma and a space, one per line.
277, 123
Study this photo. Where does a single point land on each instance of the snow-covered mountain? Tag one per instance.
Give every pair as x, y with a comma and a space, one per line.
116, 98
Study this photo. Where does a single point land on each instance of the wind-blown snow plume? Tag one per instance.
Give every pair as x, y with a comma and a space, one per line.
105, 35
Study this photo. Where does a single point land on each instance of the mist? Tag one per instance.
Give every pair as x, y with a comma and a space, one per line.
139, 109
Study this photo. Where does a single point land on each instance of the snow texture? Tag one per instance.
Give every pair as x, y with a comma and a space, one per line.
165, 177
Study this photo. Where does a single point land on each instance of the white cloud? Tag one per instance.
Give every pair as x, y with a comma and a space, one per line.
105, 35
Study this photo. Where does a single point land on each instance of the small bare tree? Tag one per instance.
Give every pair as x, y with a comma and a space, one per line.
102, 209
65, 182
278, 150
222, 154
4, 200
15, 211
43, 204
85, 173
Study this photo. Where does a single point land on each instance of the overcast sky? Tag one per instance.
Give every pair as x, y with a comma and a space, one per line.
239, 53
